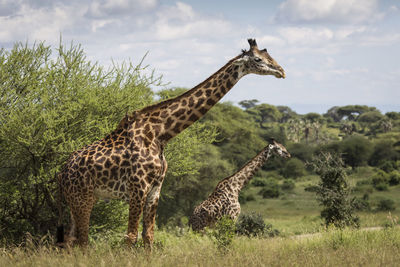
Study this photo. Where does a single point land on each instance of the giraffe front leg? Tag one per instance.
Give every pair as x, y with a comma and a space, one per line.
149, 215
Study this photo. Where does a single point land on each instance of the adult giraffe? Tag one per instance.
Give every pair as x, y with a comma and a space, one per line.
129, 163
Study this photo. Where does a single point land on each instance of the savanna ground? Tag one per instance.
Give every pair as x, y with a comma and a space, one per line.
331, 248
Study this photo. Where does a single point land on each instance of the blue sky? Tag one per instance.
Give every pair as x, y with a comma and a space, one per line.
334, 52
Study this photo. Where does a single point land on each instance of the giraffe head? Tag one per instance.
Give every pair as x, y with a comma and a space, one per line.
259, 62
278, 148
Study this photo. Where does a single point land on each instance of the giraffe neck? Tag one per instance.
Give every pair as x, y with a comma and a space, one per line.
172, 116
246, 173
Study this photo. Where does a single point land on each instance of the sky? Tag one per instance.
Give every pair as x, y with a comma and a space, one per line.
334, 52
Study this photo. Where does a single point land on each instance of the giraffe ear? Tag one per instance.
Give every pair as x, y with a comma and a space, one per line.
271, 140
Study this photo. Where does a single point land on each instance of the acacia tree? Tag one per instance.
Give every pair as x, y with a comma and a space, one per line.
52, 104
264, 113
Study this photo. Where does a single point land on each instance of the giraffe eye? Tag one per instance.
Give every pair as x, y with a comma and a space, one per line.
257, 59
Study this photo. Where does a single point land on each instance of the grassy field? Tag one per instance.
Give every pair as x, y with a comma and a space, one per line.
298, 212
331, 248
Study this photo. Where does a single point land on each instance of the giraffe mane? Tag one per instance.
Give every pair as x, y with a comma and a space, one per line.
188, 92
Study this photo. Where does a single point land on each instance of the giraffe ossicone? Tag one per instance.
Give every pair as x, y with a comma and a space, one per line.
224, 200
129, 162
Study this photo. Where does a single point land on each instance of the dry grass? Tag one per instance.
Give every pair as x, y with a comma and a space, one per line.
332, 248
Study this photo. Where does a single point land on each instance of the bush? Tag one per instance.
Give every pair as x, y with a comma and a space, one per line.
250, 197
259, 182
386, 205
387, 166
270, 190
333, 192
362, 204
252, 225
382, 186
243, 198
380, 180
223, 233
293, 168
394, 178
288, 185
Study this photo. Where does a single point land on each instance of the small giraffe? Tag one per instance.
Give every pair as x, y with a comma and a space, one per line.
224, 200
129, 163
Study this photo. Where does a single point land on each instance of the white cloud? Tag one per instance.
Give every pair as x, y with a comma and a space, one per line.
306, 35
180, 21
381, 39
106, 8
336, 11
9, 7
394, 8
271, 40
38, 24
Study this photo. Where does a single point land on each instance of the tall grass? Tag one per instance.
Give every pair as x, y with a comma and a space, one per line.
331, 248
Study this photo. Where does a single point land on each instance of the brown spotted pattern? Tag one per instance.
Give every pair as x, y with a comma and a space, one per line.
224, 200
129, 163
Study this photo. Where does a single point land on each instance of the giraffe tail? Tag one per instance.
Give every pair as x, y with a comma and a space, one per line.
60, 234
60, 227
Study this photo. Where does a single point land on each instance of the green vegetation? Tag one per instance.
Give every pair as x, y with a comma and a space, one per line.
54, 102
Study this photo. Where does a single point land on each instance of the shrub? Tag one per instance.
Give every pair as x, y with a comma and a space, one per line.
387, 166
379, 180
223, 233
243, 198
386, 205
333, 192
259, 182
252, 225
270, 190
394, 178
250, 197
288, 185
362, 204
293, 168
382, 186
